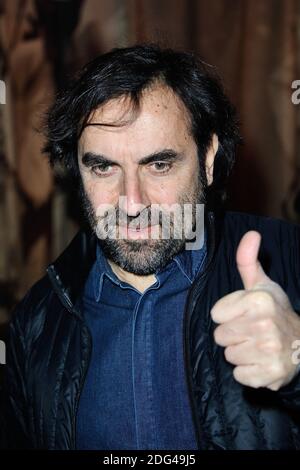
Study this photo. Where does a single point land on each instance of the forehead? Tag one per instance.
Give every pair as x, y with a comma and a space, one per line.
161, 121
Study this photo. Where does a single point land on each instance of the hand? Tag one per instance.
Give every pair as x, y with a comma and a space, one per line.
257, 325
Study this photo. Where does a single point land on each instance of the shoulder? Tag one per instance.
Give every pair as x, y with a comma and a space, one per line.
30, 311
279, 250
250, 220
272, 229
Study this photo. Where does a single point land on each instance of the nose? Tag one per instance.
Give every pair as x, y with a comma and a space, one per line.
132, 196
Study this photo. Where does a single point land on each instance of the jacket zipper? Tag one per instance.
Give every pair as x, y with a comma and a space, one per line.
81, 386
193, 295
188, 371
69, 306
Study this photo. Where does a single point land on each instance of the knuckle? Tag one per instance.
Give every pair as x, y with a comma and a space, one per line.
273, 346
276, 369
263, 299
251, 381
229, 355
264, 324
214, 313
274, 387
255, 383
218, 334
236, 374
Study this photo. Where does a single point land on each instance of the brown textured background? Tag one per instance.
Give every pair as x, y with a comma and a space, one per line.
255, 45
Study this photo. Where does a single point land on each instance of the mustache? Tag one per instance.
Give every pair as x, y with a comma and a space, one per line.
172, 222
143, 219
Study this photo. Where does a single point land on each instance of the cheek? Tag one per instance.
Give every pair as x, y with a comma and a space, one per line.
165, 193
98, 195
170, 192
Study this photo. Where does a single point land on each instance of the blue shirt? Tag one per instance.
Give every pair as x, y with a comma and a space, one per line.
135, 393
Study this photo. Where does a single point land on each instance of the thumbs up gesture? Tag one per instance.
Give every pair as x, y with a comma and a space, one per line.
257, 325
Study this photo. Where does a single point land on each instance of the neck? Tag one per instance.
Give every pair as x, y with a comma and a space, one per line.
141, 283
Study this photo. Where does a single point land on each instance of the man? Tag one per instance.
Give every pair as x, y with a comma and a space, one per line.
136, 340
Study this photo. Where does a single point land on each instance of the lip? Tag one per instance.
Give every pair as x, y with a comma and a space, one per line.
128, 232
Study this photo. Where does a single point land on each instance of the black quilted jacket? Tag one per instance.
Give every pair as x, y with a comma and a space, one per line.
49, 346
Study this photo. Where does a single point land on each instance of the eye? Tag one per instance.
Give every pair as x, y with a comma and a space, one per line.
161, 167
102, 169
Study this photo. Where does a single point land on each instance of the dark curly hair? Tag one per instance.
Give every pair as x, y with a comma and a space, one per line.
127, 72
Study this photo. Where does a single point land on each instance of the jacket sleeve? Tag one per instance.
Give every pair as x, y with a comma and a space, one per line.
290, 393
14, 409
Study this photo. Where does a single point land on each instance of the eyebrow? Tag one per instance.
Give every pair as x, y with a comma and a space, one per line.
90, 159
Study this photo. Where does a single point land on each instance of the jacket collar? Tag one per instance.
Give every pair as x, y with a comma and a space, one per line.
69, 271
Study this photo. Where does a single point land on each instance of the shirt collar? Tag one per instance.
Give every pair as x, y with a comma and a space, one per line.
102, 267
190, 262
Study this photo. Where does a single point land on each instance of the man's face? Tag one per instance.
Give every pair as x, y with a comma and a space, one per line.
151, 159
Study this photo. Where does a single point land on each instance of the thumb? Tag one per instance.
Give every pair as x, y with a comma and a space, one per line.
248, 265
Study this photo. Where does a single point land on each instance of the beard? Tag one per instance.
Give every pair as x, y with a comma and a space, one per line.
145, 256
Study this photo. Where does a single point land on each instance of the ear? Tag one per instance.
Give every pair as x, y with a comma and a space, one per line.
210, 158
